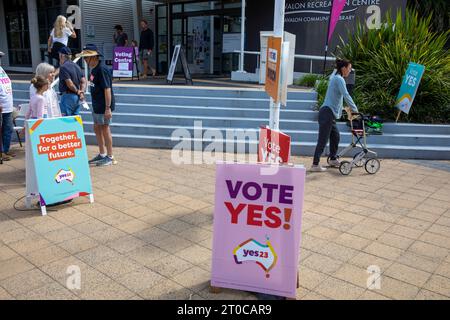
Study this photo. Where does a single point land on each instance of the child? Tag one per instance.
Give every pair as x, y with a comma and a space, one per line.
135, 45
38, 103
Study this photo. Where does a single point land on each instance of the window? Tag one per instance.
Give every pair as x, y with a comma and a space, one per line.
161, 39
17, 33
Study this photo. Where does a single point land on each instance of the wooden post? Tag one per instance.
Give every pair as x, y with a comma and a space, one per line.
398, 115
215, 290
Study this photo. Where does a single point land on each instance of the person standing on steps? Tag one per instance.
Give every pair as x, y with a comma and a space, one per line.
146, 44
59, 38
120, 38
72, 84
103, 104
329, 112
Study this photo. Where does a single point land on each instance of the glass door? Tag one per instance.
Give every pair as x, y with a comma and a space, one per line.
231, 31
161, 39
17, 33
198, 47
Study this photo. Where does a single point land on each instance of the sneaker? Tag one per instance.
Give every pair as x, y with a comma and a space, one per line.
106, 161
5, 157
96, 159
318, 168
335, 163
11, 154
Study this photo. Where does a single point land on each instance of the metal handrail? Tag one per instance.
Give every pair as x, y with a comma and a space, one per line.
297, 56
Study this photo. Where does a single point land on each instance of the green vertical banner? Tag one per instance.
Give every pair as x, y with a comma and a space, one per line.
409, 87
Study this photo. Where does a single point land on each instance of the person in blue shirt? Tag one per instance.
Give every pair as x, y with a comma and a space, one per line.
331, 110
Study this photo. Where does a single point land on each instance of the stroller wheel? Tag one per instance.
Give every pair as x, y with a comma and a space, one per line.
359, 163
345, 168
372, 165
329, 159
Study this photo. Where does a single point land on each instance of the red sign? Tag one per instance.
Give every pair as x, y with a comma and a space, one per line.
274, 146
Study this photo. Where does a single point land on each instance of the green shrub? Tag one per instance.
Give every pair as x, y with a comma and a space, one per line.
321, 89
381, 58
308, 80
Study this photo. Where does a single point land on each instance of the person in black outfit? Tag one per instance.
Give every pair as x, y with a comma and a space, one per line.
146, 44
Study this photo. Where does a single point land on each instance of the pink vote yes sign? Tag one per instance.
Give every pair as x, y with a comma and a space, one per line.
257, 227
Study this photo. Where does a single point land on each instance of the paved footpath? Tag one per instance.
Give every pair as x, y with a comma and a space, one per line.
149, 233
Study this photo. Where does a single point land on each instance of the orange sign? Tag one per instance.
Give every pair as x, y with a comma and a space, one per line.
273, 67
59, 146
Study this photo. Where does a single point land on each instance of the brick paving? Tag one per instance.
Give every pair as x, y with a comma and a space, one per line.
149, 233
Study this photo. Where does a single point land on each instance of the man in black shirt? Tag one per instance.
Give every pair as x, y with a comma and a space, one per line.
120, 38
146, 44
103, 104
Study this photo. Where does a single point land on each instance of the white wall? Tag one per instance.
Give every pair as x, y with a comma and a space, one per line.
103, 15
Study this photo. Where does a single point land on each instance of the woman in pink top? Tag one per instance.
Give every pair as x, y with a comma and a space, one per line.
38, 103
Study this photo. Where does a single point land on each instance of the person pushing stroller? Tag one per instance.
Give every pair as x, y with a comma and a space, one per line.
331, 110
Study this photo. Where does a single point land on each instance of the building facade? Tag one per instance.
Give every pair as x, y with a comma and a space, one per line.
210, 31
28, 23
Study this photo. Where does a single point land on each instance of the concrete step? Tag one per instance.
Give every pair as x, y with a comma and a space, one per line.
296, 121
211, 92
199, 112
297, 148
296, 135
22, 96
246, 93
147, 116
139, 128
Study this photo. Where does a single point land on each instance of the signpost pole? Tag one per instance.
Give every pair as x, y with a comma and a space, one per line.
326, 43
398, 116
278, 27
241, 61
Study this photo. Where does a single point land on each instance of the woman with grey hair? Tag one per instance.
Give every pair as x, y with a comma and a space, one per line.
47, 71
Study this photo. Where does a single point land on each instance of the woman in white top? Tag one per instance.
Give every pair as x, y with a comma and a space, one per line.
47, 72
59, 37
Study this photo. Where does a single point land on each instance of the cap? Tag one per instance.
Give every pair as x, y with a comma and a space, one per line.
1, 54
90, 50
65, 50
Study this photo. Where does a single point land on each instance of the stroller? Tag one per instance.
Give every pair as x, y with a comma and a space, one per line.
365, 158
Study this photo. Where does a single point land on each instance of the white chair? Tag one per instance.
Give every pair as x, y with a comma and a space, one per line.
21, 111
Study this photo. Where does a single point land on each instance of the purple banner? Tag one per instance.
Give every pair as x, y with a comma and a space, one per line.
123, 62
